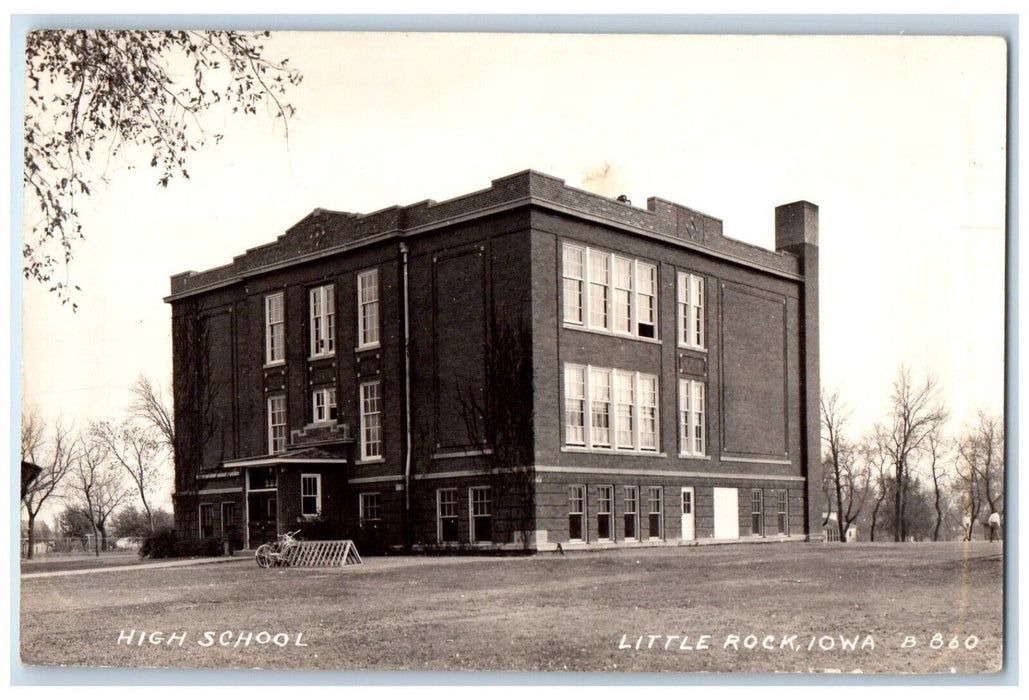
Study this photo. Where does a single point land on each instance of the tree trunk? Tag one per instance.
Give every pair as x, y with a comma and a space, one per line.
939, 512
897, 500
32, 535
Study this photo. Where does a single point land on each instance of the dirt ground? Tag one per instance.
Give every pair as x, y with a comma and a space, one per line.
795, 607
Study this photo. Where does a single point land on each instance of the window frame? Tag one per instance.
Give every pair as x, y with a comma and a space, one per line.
325, 393
593, 407
317, 479
609, 512
456, 517
599, 288
473, 517
274, 330
366, 416
207, 522
692, 418
782, 512
221, 512
365, 505
634, 513
691, 302
365, 328
757, 512
321, 301
272, 425
577, 495
659, 512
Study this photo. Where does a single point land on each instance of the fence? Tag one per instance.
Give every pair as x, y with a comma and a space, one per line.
79, 545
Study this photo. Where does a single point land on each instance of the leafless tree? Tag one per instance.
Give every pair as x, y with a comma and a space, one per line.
915, 411
846, 480
152, 405
935, 451
875, 457
135, 448
500, 419
54, 453
980, 468
97, 485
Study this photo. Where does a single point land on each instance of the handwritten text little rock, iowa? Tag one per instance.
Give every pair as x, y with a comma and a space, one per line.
789, 642
227, 638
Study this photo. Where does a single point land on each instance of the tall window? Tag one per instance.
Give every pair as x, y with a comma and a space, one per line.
756, 515
574, 266
691, 418
324, 405
632, 512
276, 424
632, 399
228, 518
310, 494
625, 422
608, 292
600, 407
482, 518
368, 309
274, 329
575, 405
623, 295
576, 513
783, 512
648, 412
646, 300
600, 279
371, 420
691, 310
368, 508
605, 499
207, 520
323, 321
655, 512
446, 512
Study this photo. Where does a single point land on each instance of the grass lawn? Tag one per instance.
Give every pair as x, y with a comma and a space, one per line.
582, 612
67, 562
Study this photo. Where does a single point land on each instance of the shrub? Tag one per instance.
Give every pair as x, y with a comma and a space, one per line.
162, 544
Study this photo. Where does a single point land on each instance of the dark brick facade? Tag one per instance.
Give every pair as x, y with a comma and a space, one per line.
476, 269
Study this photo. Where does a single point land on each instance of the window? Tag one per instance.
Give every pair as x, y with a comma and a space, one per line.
632, 513
756, 516
310, 494
600, 274
691, 311
600, 407
276, 424
648, 412
207, 520
625, 424
576, 513
324, 405
575, 405
691, 418
228, 518
369, 508
371, 420
482, 519
605, 497
574, 261
274, 329
446, 514
623, 295
607, 292
646, 300
655, 512
323, 321
635, 400
261, 479
783, 512
368, 309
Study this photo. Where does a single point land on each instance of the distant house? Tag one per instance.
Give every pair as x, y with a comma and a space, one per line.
671, 394
29, 473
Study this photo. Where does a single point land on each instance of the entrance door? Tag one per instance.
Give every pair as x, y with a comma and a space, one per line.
261, 518
689, 531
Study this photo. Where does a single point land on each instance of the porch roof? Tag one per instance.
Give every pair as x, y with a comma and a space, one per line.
307, 455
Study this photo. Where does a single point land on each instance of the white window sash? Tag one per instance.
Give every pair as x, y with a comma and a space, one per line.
373, 399
368, 296
274, 328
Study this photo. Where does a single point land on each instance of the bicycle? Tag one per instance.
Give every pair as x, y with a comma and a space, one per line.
282, 552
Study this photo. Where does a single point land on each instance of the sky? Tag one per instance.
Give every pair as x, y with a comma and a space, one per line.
900, 141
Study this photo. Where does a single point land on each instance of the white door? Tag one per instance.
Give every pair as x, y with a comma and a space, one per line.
727, 514
688, 528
